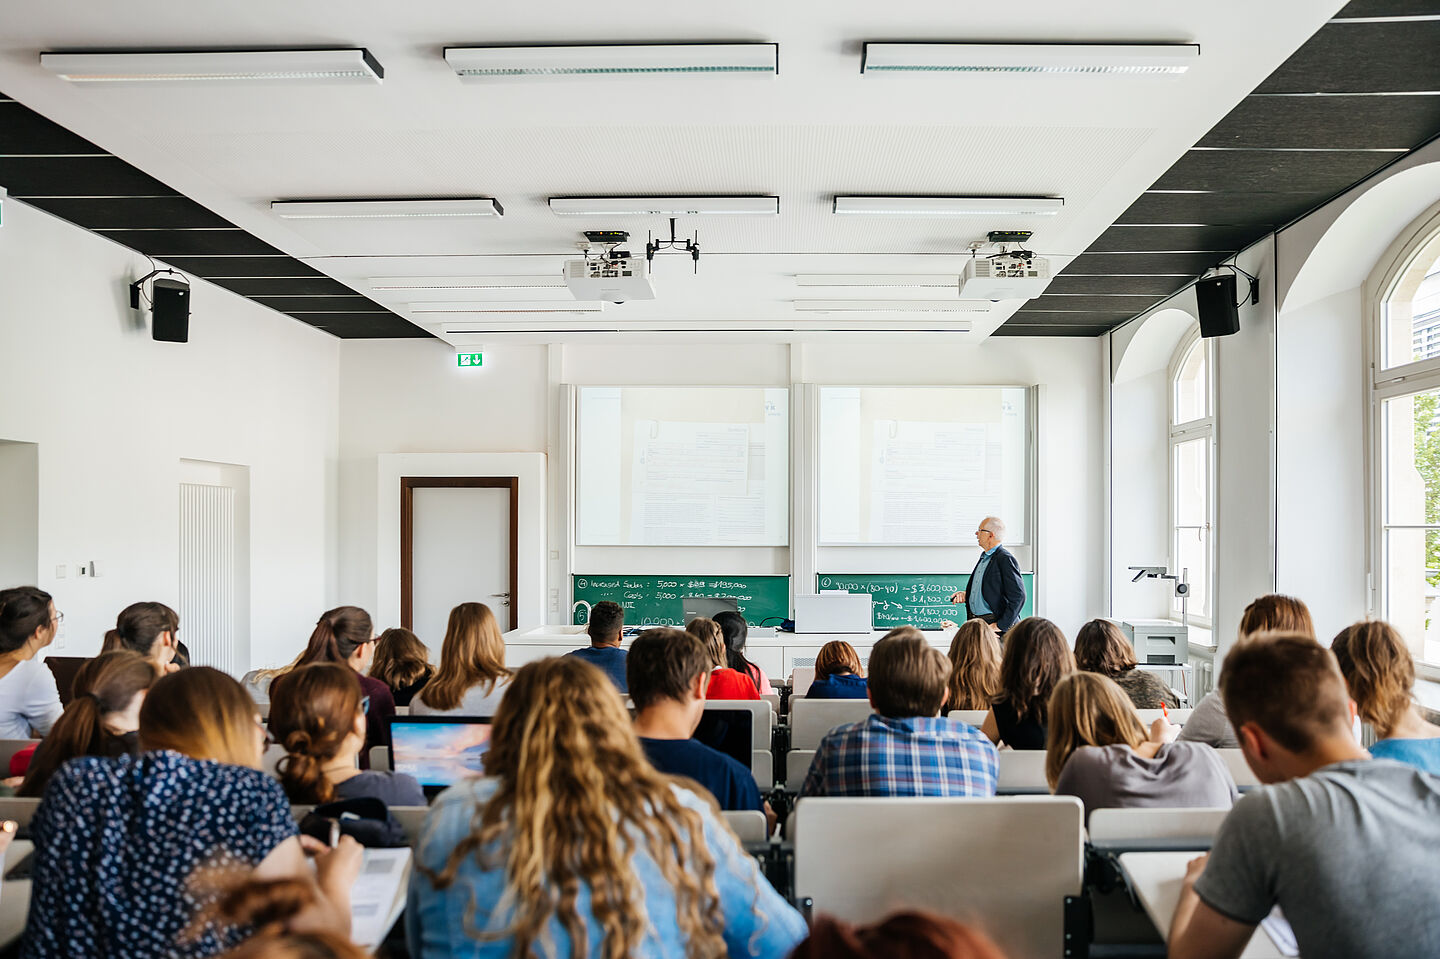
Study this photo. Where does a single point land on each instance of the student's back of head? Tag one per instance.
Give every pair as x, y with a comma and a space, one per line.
711, 638
204, 714
338, 634
140, 626
24, 611
1290, 687
312, 711
1276, 613
1379, 672
974, 666
607, 619
1100, 647
1036, 658
400, 658
902, 935
735, 630
1087, 709
472, 653
908, 676
663, 664
836, 658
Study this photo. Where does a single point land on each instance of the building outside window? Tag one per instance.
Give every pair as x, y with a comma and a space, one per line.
1192, 471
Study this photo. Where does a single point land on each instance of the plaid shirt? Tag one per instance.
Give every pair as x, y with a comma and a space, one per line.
919, 756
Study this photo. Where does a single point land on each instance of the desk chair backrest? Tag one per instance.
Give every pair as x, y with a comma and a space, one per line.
1177, 716
763, 727
811, 719
748, 824
973, 717
800, 679
8, 749
1005, 864
797, 766
380, 758
20, 809
762, 767
411, 819
1118, 826
270, 762
64, 669
1239, 769
774, 700
1022, 771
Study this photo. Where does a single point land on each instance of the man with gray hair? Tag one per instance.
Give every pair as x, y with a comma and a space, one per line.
995, 591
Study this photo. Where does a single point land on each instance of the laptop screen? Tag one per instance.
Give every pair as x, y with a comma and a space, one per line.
728, 730
705, 607
439, 750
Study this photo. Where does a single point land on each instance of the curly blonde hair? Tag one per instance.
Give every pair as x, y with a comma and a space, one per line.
576, 797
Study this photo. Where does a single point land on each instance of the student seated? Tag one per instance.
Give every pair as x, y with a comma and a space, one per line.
974, 666
102, 719
1380, 673
317, 715
668, 671
901, 935
735, 630
1101, 648
1269, 613
1344, 844
904, 748
725, 683
345, 635
607, 622
150, 629
28, 697
472, 677
838, 673
403, 663
1098, 752
1036, 658
121, 845
573, 833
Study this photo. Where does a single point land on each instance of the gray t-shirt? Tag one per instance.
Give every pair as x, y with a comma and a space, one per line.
476, 702
1348, 853
1209, 724
1180, 775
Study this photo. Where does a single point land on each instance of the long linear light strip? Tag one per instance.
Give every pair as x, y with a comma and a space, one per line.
948, 205
892, 306
184, 65
557, 306
665, 206
948, 281
490, 63
383, 284
939, 326
384, 209
1152, 58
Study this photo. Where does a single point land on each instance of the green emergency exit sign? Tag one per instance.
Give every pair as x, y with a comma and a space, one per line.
469, 359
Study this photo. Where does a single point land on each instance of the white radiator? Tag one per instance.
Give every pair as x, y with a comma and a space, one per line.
207, 574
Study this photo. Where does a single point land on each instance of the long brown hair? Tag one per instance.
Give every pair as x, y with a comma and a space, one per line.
23, 611
202, 713
139, 625
339, 632
1036, 658
265, 908
708, 632
1379, 671
576, 796
312, 709
836, 658
974, 666
903, 935
105, 685
1275, 613
473, 653
400, 658
1100, 647
1087, 709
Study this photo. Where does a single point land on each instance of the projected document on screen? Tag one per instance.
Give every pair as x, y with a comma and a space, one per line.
921, 466
683, 466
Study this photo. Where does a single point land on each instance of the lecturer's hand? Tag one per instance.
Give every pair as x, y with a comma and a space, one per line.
958, 597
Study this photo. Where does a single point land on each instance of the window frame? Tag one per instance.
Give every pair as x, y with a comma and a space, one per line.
1177, 433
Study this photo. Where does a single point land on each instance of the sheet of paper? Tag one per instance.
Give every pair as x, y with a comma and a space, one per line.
378, 895
1277, 927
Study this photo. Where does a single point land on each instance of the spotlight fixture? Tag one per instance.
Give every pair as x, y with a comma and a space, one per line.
384, 209
615, 59
231, 65
1165, 59
948, 205
665, 205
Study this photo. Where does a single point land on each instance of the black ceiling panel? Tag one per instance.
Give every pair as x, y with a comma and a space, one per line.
1327, 123
231, 241
1188, 264
23, 132
1086, 318
260, 287
131, 213
1219, 209
1156, 285
1140, 239
1063, 303
26, 176
1012, 328
212, 266
1390, 8
363, 325
353, 303
1392, 57
1271, 171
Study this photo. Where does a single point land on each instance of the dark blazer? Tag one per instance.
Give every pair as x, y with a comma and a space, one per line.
1003, 589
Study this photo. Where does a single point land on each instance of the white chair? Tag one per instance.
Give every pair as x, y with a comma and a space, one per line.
973, 717
1117, 827
811, 719
380, 758
773, 699
1006, 864
20, 809
800, 679
797, 766
748, 825
1177, 716
764, 717
762, 767
412, 819
1239, 769
1022, 772
402, 710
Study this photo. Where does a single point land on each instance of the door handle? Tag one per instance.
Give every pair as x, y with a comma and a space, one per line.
500, 595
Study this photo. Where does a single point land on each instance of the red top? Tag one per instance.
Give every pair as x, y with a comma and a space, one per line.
731, 684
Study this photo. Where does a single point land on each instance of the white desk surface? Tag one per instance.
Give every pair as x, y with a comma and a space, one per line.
1157, 877
14, 895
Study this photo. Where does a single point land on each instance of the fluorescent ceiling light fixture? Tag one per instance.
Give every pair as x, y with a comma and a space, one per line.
946, 281
949, 205
384, 209
619, 59
892, 306
184, 65
1138, 58
517, 307
665, 205
382, 284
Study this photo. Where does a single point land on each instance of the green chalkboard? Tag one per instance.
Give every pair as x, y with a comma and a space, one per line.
656, 599
911, 600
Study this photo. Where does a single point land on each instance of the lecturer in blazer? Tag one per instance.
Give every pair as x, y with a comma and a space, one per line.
1001, 592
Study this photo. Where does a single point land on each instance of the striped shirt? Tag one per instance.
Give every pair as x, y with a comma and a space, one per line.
917, 756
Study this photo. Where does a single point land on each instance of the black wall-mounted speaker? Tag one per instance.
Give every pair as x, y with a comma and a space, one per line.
1215, 304
170, 310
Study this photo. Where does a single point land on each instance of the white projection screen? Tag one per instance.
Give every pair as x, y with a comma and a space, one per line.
682, 466
908, 466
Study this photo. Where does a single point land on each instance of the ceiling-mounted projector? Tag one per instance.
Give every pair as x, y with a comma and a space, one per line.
611, 279
1005, 276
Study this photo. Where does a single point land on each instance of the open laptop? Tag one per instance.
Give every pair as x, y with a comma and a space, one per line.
439, 751
705, 607
731, 731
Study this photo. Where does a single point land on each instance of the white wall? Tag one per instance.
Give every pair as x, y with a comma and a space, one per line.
1140, 507
114, 413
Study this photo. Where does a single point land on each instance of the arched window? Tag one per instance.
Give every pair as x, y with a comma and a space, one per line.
1192, 472
1405, 443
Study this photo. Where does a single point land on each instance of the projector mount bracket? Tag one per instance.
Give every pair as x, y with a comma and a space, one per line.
674, 245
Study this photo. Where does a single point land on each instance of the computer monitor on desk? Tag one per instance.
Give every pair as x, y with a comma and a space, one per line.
706, 607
